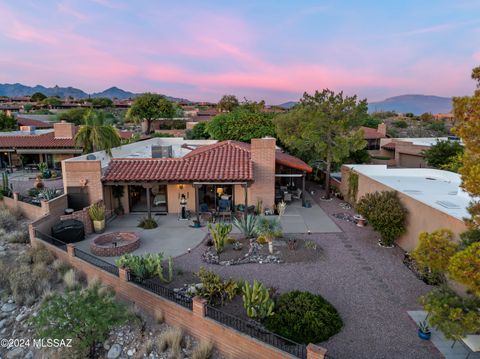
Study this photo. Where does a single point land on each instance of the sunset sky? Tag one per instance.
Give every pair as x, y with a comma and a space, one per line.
273, 50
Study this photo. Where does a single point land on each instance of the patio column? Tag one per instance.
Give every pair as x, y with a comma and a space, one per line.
149, 209
245, 209
197, 203
303, 189
10, 161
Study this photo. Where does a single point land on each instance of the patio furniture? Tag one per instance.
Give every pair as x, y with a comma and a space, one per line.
224, 205
297, 194
159, 199
224, 215
471, 342
69, 231
287, 197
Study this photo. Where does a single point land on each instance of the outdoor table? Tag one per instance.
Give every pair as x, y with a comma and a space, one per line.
472, 342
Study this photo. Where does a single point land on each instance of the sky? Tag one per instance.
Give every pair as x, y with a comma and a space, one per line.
265, 49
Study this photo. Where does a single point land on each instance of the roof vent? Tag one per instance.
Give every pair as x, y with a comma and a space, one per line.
448, 205
162, 151
412, 191
91, 157
430, 178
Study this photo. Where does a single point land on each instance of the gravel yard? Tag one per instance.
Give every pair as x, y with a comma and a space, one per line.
369, 285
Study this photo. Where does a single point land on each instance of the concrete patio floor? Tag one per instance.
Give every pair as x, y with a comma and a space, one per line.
172, 237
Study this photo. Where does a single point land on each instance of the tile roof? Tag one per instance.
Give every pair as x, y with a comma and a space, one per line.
37, 123
389, 146
222, 161
45, 140
371, 133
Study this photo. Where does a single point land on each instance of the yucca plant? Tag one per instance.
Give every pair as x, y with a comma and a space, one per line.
97, 212
220, 235
268, 229
246, 225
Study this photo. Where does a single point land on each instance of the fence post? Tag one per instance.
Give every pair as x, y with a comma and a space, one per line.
124, 274
45, 207
71, 249
315, 352
199, 306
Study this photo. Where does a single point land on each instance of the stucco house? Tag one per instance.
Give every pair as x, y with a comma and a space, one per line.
164, 175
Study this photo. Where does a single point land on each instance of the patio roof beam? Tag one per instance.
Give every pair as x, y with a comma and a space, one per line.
219, 183
298, 175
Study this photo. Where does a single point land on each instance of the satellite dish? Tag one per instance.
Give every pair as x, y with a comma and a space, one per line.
91, 157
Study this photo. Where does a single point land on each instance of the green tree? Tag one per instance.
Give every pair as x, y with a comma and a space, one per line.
38, 97
465, 267
7, 123
150, 107
324, 127
95, 134
467, 112
198, 132
100, 102
227, 103
85, 316
442, 153
435, 249
74, 115
52, 101
426, 117
371, 122
27, 107
241, 125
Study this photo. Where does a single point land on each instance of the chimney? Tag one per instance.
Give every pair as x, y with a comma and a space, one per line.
263, 161
65, 130
382, 128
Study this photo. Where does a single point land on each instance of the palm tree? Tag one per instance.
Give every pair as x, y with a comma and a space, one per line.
95, 134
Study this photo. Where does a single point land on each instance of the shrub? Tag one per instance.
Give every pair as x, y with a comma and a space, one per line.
159, 316
268, 228
27, 283
256, 300
203, 350
86, 316
171, 338
214, 289
400, 124
4, 275
386, 214
455, 316
469, 237
60, 266
435, 249
147, 223
38, 254
70, 279
246, 225
465, 267
8, 221
220, 235
304, 317
18, 236
96, 212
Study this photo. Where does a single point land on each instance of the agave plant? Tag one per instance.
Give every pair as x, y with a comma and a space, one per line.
246, 225
47, 194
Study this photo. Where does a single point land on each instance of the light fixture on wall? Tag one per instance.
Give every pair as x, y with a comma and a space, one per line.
83, 182
220, 191
180, 186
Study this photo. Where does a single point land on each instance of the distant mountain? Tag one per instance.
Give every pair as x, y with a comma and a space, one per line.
416, 104
15, 90
287, 105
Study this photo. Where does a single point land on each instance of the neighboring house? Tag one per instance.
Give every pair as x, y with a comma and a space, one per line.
37, 124
408, 152
30, 146
432, 197
160, 174
374, 135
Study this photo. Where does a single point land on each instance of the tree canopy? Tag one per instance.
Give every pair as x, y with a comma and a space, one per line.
149, 107
7, 123
441, 154
467, 112
100, 102
74, 115
227, 103
242, 124
324, 127
95, 134
37, 97
198, 132
52, 101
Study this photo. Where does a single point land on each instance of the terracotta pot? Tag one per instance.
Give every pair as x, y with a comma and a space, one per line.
360, 220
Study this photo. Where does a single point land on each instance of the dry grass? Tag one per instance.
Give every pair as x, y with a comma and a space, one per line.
18, 236
203, 350
171, 338
159, 316
70, 279
61, 266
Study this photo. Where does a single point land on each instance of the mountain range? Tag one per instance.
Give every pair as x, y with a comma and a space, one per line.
14, 90
416, 104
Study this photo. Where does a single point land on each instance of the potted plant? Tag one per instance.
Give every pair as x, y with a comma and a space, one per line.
97, 215
424, 330
360, 220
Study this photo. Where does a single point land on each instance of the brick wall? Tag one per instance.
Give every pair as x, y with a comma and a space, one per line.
228, 341
64, 129
32, 212
263, 161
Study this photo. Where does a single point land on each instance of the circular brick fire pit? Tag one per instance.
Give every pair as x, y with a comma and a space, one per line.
115, 244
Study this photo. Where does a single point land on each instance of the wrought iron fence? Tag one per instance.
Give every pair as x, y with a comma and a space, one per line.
257, 331
108, 267
162, 291
49, 239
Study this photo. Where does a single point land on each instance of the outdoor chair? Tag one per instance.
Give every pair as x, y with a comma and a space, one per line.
297, 194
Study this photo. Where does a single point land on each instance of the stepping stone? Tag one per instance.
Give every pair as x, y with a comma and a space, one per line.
9, 307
